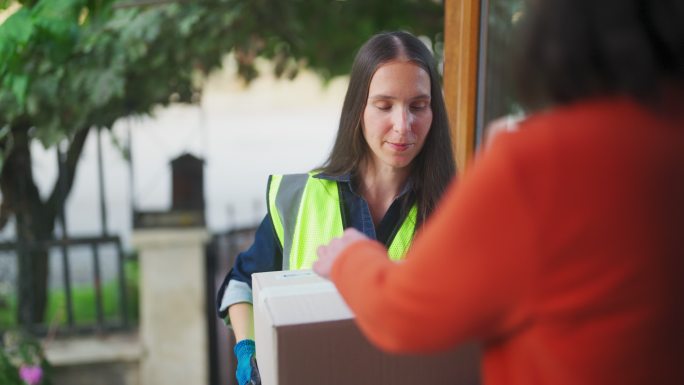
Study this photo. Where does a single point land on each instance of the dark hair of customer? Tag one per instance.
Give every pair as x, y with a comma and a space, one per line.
434, 167
577, 49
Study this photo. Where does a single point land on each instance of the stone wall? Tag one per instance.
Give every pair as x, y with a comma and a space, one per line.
170, 346
95, 360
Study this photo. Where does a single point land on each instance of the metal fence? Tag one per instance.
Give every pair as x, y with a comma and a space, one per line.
86, 276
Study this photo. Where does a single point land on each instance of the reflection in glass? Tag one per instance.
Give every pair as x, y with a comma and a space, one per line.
496, 98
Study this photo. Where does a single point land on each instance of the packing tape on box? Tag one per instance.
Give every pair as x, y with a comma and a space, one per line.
287, 291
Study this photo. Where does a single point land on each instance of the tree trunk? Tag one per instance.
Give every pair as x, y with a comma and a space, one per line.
35, 220
32, 227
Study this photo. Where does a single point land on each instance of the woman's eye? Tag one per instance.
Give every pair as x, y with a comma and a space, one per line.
419, 106
383, 107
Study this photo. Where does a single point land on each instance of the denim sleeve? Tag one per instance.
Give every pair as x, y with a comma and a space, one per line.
265, 254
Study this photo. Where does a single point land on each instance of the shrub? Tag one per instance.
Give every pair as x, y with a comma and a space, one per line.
22, 361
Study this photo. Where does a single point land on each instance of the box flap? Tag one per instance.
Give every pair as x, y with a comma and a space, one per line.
298, 297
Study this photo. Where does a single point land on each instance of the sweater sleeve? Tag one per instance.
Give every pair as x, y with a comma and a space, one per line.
263, 255
468, 274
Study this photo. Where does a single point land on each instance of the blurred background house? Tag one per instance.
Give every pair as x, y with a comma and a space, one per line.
243, 134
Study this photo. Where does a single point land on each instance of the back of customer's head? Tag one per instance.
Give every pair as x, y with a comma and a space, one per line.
434, 166
575, 49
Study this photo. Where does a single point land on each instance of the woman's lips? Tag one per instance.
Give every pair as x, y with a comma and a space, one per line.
399, 146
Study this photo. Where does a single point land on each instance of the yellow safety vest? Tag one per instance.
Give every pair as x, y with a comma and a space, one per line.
307, 212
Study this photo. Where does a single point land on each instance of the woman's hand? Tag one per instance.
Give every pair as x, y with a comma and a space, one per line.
327, 254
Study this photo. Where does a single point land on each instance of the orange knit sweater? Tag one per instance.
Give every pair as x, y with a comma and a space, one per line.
561, 249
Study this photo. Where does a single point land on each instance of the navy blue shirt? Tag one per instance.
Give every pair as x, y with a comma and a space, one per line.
265, 254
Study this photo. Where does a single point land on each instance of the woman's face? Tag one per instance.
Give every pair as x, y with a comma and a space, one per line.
397, 116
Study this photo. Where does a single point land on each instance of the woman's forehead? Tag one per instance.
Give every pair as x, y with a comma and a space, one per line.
399, 77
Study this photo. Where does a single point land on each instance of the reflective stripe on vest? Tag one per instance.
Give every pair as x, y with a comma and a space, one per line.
306, 213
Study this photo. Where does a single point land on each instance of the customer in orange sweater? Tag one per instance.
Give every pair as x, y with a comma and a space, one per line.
562, 248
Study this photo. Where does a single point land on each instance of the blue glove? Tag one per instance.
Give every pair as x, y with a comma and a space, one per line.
247, 372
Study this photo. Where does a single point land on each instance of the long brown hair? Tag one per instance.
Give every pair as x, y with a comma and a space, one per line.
434, 166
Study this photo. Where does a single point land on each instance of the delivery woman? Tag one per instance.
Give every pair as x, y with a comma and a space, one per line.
390, 163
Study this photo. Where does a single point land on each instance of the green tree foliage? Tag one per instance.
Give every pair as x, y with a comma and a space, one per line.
67, 66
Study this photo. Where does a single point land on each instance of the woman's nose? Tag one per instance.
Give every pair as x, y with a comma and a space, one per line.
402, 120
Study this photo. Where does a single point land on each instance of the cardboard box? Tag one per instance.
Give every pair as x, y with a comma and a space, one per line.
306, 335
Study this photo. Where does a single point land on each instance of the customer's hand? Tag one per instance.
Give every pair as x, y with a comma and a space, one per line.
508, 123
327, 254
247, 372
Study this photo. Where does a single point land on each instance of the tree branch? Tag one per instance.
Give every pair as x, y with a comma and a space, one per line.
58, 197
11, 173
144, 3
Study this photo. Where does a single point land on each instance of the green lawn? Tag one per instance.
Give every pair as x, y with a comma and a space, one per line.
83, 302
